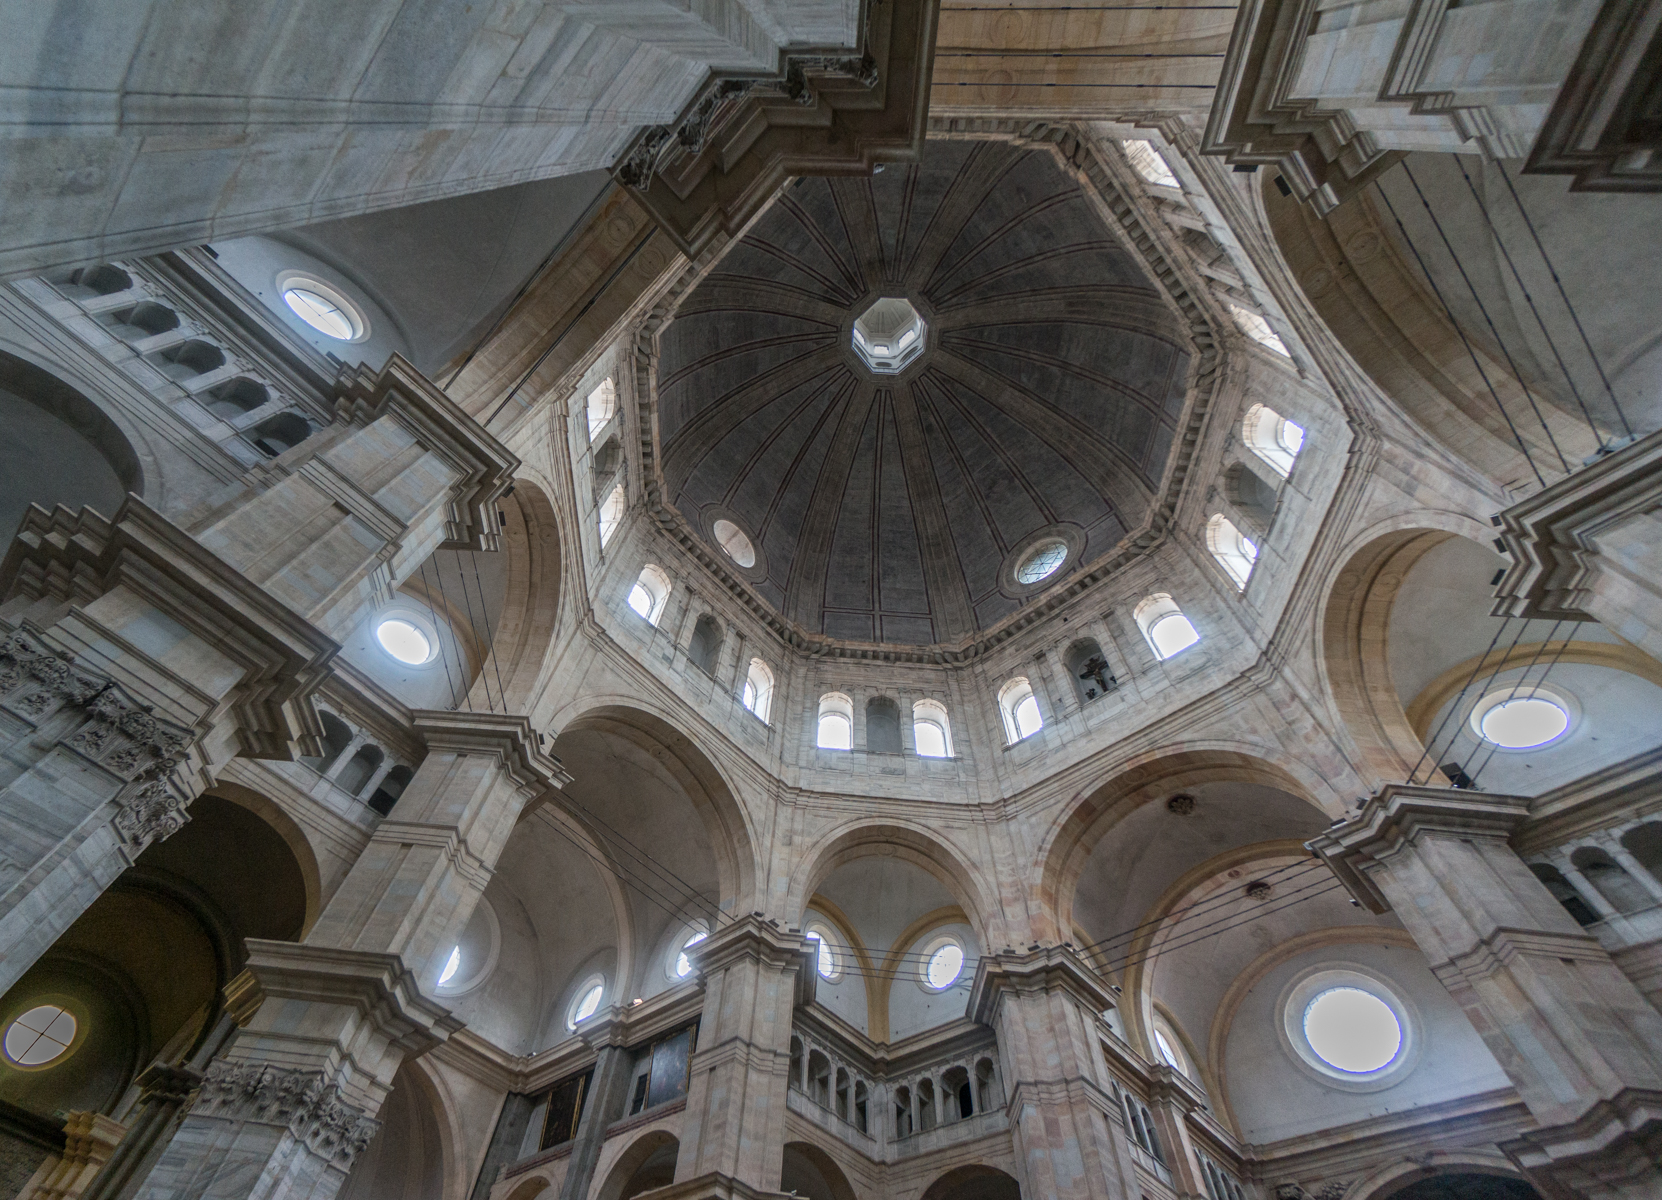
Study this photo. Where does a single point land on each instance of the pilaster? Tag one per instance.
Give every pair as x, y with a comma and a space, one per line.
1044, 1005
1581, 1045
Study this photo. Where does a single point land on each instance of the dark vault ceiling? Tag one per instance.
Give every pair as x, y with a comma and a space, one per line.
892, 508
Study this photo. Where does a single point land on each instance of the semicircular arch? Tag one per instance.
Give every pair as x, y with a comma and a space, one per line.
533, 572
293, 834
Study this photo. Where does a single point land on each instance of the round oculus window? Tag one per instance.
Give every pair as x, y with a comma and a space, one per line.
40, 1036
405, 642
587, 1003
1352, 1030
1043, 561
451, 966
734, 543
1521, 718
826, 954
683, 964
944, 965
323, 308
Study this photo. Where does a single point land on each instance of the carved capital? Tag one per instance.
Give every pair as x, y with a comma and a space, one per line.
311, 1110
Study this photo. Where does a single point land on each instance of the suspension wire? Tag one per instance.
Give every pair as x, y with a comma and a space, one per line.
438, 574
1483, 310
1018, 83
1458, 699
1564, 296
1232, 917
1155, 951
472, 627
569, 326
427, 594
1454, 709
490, 638
1494, 746
684, 886
666, 903
1511, 266
1182, 914
1062, 54
1471, 353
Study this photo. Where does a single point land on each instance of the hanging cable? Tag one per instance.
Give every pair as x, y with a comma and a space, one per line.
1438, 732
1483, 311
1155, 951
1511, 266
1470, 352
438, 574
1453, 713
1494, 746
490, 638
427, 594
472, 627
1298, 891
1564, 296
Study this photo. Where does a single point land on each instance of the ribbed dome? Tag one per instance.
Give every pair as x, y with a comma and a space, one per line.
896, 507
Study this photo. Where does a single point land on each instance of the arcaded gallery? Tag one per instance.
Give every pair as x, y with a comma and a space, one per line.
837, 599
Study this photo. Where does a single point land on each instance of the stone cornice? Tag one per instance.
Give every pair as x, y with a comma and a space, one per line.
762, 940
1051, 968
508, 736
1398, 816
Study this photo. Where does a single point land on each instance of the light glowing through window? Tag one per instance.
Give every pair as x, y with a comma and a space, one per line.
39, 1035
1525, 722
945, 965
1290, 436
734, 543
930, 739
1171, 634
1166, 1052
827, 957
588, 1005
1027, 716
1042, 563
404, 641
683, 964
1352, 1030
451, 965
641, 601
835, 732
320, 312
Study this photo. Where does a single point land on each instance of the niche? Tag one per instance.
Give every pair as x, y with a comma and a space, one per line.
1252, 495
83, 283
235, 398
189, 359
392, 787
144, 320
1088, 668
283, 432
882, 726
705, 646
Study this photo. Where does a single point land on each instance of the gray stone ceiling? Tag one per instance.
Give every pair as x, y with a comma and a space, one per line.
892, 509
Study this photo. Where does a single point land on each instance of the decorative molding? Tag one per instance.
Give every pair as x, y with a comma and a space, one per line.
821, 113
299, 1100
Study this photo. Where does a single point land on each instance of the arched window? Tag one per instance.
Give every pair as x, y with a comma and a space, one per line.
882, 726
1020, 708
1644, 842
1168, 631
1624, 892
758, 689
1272, 437
585, 1000
611, 514
931, 730
1564, 892
650, 593
1235, 552
1258, 329
1148, 162
705, 647
836, 722
601, 406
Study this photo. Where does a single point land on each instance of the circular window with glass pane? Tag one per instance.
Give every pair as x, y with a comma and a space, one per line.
942, 964
40, 1036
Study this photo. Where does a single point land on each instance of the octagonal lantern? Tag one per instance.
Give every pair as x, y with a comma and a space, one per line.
889, 335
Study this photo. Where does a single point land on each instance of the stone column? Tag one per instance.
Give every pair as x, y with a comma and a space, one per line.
377, 779
1624, 857
293, 1102
1044, 1005
733, 1135
1584, 886
345, 756
1581, 1045
506, 1140
607, 1094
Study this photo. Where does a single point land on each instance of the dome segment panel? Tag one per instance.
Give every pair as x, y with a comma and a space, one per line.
886, 493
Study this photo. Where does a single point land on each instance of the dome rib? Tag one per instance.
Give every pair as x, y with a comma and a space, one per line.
886, 508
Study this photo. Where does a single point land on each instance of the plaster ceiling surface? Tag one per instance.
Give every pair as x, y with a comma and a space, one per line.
892, 508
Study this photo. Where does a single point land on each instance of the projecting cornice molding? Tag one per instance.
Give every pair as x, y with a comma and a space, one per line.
824, 112
1198, 321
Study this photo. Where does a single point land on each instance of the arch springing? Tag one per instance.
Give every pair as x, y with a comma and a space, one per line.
1020, 709
1168, 631
1272, 437
1236, 553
